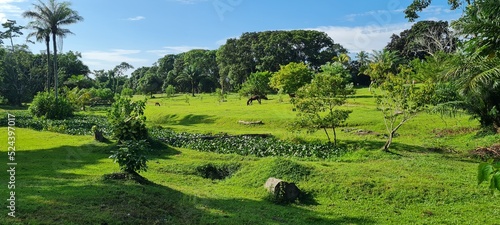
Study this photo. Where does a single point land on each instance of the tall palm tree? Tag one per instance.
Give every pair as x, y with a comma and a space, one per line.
42, 33
53, 15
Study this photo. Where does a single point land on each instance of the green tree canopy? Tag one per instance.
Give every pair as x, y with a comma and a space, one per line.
317, 102
291, 77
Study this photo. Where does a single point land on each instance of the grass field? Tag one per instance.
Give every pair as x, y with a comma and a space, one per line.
429, 178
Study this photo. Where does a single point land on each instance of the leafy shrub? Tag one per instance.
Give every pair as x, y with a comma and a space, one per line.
131, 156
170, 91
217, 172
127, 119
247, 145
127, 92
76, 125
45, 104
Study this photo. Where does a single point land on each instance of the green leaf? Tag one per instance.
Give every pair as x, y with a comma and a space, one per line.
496, 181
484, 172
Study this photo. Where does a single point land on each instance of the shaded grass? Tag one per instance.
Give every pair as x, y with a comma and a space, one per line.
60, 179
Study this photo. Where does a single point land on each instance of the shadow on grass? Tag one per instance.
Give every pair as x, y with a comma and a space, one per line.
187, 120
52, 189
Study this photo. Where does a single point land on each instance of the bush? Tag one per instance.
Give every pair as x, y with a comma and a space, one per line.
127, 119
127, 92
131, 156
45, 104
170, 91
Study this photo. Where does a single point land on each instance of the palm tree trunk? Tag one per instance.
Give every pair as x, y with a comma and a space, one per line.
56, 78
47, 44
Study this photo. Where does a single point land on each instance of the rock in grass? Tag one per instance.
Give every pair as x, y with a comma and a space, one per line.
282, 191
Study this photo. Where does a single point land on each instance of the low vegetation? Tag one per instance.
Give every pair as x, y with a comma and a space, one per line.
431, 181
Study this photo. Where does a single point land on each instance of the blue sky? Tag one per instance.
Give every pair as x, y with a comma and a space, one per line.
140, 32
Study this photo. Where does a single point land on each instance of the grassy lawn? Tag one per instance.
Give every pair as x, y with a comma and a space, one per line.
429, 179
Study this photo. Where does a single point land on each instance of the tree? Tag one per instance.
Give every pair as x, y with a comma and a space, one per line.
476, 71
70, 64
191, 75
150, 83
267, 51
381, 64
116, 74
11, 32
127, 119
54, 14
257, 84
328, 90
291, 77
42, 33
422, 39
480, 25
477, 77
397, 100
129, 127
419, 5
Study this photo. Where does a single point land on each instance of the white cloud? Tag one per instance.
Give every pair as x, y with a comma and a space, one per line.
174, 50
107, 60
8, 10
363, 38
136, 18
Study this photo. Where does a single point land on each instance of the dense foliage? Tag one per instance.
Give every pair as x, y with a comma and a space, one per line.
127, 119
131, 156
247, 145
45, 104
76, 125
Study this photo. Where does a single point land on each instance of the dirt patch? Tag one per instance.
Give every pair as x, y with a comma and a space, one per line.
453, 131
486, 153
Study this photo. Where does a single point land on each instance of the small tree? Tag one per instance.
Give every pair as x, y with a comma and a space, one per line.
131, 156
128, 124
170, 91
256, 84
328, 90
397, 100
127, 119
291, 77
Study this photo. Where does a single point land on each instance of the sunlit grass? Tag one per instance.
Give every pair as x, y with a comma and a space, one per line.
428, 179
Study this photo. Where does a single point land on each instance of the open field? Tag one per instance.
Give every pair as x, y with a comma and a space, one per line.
429, 179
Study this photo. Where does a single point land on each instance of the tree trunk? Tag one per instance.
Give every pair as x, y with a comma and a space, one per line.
192, 87
56, 77
389, 141
334, 136
282, 190
47, 44
327, 135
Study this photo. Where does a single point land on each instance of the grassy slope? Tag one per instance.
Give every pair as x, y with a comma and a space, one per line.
59, 177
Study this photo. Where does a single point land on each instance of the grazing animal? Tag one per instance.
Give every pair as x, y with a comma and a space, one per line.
157, 104
292, 95
256, 97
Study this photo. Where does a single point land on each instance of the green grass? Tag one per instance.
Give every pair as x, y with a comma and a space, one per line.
428, 179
